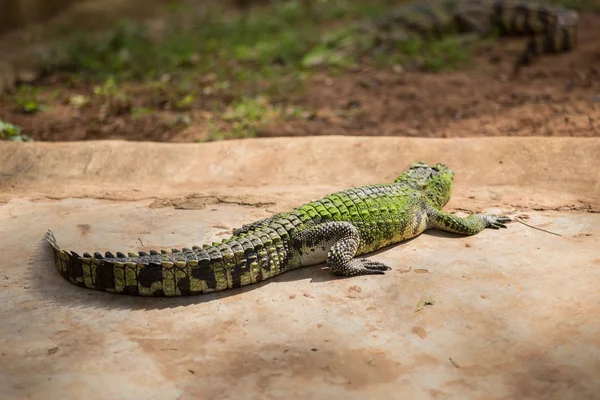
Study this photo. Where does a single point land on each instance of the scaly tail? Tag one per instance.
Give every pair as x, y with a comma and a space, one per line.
232, 263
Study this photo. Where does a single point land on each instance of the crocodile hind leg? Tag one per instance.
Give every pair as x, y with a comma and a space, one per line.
469, 225
551, 41
342, 239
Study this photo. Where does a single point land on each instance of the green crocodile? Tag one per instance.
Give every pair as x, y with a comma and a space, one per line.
334, 229
551, 29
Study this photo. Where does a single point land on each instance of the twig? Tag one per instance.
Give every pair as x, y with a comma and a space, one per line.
454, 363
535, 227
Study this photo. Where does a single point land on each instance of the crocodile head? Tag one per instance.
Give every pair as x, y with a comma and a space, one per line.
436, 181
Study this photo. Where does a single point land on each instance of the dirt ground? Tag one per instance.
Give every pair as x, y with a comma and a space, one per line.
557, 96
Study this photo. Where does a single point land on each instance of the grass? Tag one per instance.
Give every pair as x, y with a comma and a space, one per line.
245, 116
249, 46
12, 133
275, 45
444, 54
269, 50
27, 100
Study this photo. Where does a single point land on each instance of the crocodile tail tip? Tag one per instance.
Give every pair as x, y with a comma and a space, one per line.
51, 239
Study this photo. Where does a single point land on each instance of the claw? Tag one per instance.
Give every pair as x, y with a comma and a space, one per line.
497, 222
379, 268
369, 267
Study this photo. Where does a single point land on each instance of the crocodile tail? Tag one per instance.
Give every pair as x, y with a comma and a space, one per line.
210, 268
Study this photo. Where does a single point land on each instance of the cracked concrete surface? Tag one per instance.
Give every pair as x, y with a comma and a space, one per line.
514, 312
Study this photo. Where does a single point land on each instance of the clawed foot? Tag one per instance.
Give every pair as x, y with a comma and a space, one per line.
363, 266
496, 221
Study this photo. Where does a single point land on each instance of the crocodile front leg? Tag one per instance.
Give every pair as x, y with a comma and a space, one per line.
469, 225
342, 240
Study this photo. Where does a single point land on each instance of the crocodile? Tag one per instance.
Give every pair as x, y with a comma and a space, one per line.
551, 29
333, 230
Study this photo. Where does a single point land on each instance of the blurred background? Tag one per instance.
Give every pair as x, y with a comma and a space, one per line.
190, 70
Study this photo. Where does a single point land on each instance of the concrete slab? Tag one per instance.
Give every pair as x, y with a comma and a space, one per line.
514, 312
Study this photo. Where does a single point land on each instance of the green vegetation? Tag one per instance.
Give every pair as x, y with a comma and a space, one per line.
432, 55
12, 133
27, 101
254, 45
242, 118
269, 49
